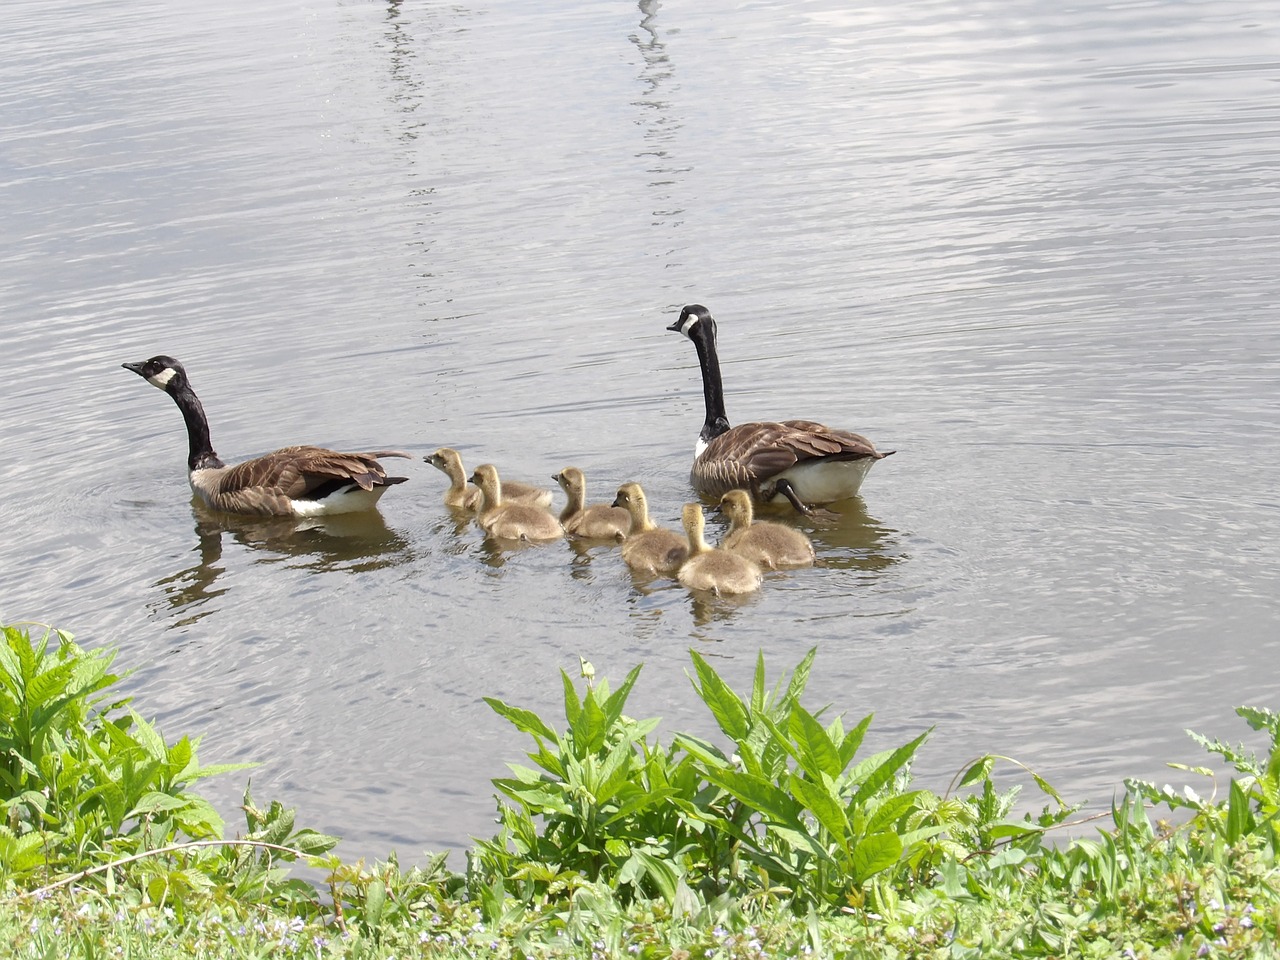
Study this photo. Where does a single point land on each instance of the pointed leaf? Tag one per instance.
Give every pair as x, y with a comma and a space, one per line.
816, 753
572, 704
725, 705
526, 721
757, 685
875, 853
758, 794
800, 676
617, 700
820, 800
885, 771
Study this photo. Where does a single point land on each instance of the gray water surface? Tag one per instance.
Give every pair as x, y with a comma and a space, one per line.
1032, 248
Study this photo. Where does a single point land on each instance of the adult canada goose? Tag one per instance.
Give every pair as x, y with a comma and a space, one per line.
292, 481
648, 549
763, 542
458, 494
507, 520
799, 460
600, 521
713, 568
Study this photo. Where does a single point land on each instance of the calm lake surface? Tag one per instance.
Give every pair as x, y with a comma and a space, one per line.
1031, 247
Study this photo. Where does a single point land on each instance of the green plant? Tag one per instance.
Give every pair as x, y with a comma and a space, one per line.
82, 782
602, 803
1253, 800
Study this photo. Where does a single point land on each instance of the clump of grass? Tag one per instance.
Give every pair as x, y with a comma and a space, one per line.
790, 840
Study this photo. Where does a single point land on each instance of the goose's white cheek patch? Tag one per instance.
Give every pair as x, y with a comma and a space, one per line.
162, 378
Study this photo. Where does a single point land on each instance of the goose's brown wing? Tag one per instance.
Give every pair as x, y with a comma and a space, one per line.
301, 472
751, 453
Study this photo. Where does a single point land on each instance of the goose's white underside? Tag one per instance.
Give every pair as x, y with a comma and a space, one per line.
347, 500
825, 481
350, 499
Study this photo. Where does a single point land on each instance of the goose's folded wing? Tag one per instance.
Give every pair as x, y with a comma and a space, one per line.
296, 472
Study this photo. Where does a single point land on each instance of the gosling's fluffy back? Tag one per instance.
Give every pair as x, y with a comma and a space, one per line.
770, 545
713, 569
648, 549
510, 521
600, 521
464, 497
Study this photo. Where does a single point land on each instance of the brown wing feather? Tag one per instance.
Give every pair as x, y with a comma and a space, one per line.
294, 472
751, 453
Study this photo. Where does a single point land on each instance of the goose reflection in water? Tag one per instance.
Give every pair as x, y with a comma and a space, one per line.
848, 537
351, 543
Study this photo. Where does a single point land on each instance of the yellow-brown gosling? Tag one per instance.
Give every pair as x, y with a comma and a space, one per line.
300, 481
767, 544
648, 549
510, 521
713, 568
600, 521
463, 497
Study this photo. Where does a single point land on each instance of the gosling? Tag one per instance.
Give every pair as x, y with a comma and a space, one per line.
510, 521
767, 544
712, 568
462, 497
648, 549
600, 521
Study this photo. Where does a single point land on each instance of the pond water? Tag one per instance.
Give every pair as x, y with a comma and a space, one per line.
1031, 247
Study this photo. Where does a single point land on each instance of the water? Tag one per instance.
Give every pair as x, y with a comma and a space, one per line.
1032, 248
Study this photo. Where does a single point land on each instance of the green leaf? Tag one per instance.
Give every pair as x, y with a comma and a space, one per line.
526, 721
816, 753
662, 873
153, 803
572, 705
758, 794
700, 749
819, 799
892, 810
725, 705
1240, 820
148, 737
979, 770
375, 899
757, 684
617, 700
853, 740
590, 727
884, 771
875, 853
800, 676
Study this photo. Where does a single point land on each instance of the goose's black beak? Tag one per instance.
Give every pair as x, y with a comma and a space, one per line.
675, 327
135, 367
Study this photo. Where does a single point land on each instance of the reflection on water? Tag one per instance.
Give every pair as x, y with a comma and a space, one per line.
854, 539
660, 127
351, 542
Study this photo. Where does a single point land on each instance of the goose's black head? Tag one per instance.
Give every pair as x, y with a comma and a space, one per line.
695, 321
163, 372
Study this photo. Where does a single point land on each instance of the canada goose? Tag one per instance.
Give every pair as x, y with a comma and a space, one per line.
767, 544
648, 549
802, 461
713, 568
510, 521
449, 461
600, 521
293, 481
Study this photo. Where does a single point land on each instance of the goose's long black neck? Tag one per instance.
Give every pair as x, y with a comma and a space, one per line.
201, 454
717, 422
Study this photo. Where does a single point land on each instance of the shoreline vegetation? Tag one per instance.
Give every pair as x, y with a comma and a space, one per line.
781, 838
